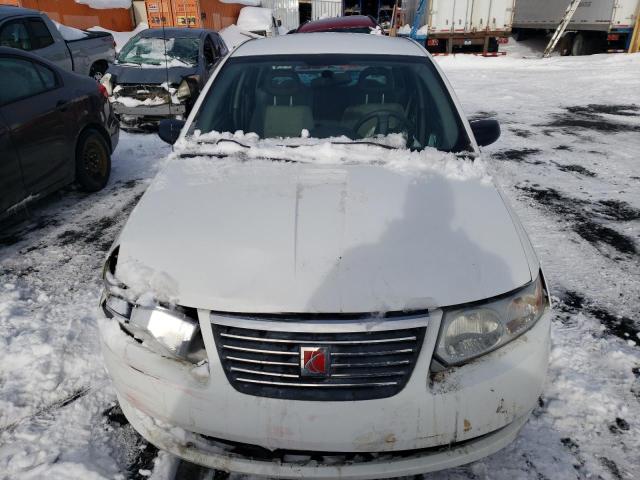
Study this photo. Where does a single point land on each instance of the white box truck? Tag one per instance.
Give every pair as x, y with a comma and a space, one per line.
597, 25
459, 25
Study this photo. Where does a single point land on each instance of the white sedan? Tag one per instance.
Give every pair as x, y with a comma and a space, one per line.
323, 281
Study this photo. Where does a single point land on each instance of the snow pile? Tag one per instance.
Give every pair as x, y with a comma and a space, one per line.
404, 30
233, 36
105, 4
388, 152
70, 33
121, 37
249, 3
255, 19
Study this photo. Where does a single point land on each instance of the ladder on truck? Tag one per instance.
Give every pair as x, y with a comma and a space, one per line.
568, 15
422, 6
634, 45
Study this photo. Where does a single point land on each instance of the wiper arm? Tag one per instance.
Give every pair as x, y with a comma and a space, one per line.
244, 159
388, 147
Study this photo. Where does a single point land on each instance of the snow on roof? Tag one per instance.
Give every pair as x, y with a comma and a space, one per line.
255, 18
333, 43
104, 4
234, 36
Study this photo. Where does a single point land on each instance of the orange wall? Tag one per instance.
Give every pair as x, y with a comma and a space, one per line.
192, 13
68, 12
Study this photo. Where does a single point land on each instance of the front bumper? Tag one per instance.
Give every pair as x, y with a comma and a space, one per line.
164, 110
466, 413
211, 454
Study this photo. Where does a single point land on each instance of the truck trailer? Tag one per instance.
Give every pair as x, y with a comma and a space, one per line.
597, 26
463, 25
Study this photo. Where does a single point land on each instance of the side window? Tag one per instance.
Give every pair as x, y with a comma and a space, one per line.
222, 47
15, 35
48, 77
22, 79
209, 52
40, 35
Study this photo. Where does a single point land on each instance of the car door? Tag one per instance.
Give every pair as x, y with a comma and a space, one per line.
36, 108
11, 186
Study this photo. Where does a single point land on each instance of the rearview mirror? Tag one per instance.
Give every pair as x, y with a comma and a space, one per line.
169, 130
486, 131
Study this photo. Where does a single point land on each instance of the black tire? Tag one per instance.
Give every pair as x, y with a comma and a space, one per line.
493, 46
566, 45
93, 161
98, 70
580, 45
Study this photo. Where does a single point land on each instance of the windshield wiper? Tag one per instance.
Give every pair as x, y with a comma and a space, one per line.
359, 142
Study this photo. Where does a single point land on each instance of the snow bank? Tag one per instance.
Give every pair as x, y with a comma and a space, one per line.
250, 3
105, 4
121, 37
335, 151
233, 36
69, 33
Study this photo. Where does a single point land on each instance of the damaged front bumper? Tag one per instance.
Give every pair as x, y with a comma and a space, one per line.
317, 465
147, 115
436, 421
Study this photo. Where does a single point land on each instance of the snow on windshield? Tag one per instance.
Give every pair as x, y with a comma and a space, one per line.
386, 151
180, 52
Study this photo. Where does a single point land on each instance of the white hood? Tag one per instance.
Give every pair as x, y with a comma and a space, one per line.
275, 237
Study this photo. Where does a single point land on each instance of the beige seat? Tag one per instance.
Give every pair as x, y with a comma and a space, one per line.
376, 86
286, 113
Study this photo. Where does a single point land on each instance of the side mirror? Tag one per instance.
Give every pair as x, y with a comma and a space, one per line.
485, 131
169, 130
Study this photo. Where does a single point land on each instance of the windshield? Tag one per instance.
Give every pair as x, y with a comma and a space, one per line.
181, 52
326, 96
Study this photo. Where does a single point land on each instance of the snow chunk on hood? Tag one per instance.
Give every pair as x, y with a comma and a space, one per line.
387, 151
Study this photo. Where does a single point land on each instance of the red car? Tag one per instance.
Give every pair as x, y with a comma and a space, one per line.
351, 24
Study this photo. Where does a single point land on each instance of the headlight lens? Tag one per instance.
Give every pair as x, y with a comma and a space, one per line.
473, 331
173, 332
183, 91
107, 82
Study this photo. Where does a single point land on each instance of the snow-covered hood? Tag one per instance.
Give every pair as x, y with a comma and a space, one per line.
266, 236
150, 75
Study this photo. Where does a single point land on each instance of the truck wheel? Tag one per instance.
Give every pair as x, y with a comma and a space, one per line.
93, 161
580, 45
98, 70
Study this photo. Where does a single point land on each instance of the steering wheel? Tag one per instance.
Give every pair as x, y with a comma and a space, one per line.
382, 123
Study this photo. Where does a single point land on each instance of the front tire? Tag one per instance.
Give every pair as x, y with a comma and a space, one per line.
93, 161
98, 70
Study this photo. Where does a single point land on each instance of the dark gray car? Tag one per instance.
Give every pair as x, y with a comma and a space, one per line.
88, 54
159, 73
55, 127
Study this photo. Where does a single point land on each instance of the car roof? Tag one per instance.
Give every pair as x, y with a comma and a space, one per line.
174, 32
324, 24
330, 43
10, 11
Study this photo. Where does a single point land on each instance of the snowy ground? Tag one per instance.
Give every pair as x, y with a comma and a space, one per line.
567, 160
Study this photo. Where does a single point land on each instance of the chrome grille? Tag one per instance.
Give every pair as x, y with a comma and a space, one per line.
363, 365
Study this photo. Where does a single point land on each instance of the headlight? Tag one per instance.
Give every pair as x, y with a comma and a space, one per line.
470, 332
188, 87
107, 82
173, 332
